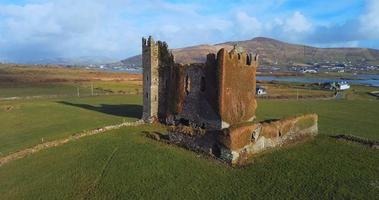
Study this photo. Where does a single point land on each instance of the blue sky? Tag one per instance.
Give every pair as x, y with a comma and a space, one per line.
40, 29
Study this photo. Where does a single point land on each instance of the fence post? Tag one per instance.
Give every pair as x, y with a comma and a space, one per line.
91, 88
297, 94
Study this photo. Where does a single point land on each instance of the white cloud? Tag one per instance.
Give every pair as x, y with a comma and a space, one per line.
297, 23
65, 28
70, 28
290, 27
113, 28
370, 21
248, 25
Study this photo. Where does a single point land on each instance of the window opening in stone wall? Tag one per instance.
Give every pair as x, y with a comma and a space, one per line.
202, 84
147, 95
187, 85
184, 122
202, 126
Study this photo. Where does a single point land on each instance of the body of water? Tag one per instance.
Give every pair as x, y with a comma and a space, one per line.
361, 79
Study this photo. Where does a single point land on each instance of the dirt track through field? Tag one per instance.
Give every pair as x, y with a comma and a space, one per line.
55, 143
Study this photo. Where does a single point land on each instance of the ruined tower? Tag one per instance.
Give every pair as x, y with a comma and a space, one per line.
237, 85
150, 79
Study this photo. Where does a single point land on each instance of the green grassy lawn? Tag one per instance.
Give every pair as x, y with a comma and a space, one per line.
124, 164
360, 92
69, 89
292, 91
25, 122
119, 87
356, 117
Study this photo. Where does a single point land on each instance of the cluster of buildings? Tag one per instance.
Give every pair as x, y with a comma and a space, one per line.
334, 68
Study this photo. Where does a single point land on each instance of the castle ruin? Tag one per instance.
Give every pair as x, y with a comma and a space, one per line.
211, 106
211, 95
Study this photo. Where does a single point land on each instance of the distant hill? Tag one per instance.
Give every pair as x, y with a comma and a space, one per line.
275, 53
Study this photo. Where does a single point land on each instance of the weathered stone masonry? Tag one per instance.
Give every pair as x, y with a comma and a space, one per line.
150, 79
211, 106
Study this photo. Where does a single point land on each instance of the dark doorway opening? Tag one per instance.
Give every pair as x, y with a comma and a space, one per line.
216, 151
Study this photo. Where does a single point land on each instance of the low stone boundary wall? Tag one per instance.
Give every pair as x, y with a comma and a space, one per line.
55, 143
360, 140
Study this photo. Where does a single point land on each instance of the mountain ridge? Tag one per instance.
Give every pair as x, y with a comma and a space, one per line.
275, 53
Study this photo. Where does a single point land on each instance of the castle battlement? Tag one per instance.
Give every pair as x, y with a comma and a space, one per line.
149, 42
243, 58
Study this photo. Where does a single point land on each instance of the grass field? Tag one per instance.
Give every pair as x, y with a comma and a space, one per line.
58, 111
356, 117
293, 91
124, 164
25, 123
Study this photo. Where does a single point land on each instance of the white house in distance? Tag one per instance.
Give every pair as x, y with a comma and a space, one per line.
310, 71
343, 85
260, 90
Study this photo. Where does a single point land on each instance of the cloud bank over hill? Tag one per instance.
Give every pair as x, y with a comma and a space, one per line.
38, 29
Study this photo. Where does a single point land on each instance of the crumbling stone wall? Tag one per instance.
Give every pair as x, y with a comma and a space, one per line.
187, 97
195, 139
166, 61
176, 96
238, 143
241, 142
192, 94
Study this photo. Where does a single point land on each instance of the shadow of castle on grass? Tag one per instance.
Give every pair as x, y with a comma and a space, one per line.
122, 110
